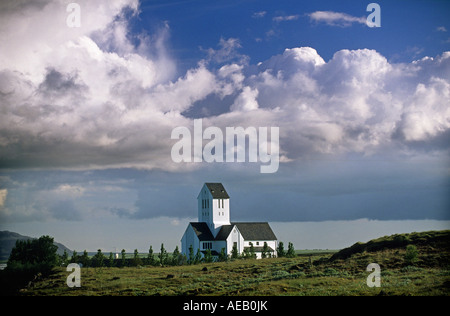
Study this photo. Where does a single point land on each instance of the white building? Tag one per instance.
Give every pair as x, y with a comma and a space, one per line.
215, 231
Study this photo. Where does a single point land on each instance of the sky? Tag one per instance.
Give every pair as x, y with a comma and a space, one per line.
92, 91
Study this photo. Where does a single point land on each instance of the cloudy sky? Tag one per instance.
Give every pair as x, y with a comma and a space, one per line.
90, 94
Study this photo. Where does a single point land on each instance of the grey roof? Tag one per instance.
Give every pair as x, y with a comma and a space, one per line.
217, 190
202, 231
250, 231
224, 231
256, 231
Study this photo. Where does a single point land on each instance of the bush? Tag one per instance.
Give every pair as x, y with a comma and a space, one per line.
29, 260
411, 254
33, 255
278, 275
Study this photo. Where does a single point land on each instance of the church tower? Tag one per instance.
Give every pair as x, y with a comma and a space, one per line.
214, 206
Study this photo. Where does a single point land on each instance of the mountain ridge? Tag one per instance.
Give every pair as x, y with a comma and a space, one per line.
8, 241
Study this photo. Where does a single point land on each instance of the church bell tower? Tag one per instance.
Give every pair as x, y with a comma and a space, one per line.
214, 206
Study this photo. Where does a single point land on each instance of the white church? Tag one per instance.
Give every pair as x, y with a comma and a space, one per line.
214, 231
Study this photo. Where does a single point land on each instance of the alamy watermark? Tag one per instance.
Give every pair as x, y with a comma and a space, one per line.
74, 279
74, 16
220, 149
374, 279
374, 18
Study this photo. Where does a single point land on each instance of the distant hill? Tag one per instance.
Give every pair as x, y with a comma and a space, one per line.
429, 242
8, 241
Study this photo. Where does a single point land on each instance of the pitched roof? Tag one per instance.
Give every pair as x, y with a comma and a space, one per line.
202, 231
249, 230
256, 231
224, 231
217, 190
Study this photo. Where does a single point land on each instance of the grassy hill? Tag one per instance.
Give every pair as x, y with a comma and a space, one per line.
8, 241
341, 273
429, 243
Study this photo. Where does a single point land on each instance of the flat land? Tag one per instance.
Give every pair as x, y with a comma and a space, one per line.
317, 273
275, 276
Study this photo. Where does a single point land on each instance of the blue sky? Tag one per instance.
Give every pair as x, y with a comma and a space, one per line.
87, 115
409, 29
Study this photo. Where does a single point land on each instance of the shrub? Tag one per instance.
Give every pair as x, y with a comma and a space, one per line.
278, 275
411, 254
34, 255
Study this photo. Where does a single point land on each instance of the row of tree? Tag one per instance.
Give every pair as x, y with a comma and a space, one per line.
32, 258
163, 258
40, 255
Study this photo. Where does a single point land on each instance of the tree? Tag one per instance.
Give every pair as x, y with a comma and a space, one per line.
234, 252
252, 251
208, 256
280, 250
151, 257
123, 258
162, 255
411, 254
246, 253
265, 250
223, 255
198, 257
84, 259
177, 258
34, 255
291, 251
136, 260
64, 258
191, 258
75, 257
98, 259
111, 260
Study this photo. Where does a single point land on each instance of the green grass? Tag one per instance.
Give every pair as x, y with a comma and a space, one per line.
312, 274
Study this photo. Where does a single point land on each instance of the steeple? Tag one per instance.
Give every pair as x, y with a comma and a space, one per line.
214, 206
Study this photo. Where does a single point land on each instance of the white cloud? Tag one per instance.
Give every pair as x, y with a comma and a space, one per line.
282, 18
75, 99
246, 101
259, 14
336, 18
227, 52
441, 29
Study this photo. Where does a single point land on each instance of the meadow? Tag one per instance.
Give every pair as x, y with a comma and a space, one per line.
313, 274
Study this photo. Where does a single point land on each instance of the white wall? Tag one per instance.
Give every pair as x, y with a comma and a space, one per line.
260, 243
189, 238
235, 236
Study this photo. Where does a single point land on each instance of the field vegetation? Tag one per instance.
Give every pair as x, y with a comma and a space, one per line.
411, 264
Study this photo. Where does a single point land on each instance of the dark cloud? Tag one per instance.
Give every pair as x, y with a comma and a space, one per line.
59, 84
313, 191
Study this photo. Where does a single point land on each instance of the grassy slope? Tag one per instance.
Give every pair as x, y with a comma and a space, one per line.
319, 274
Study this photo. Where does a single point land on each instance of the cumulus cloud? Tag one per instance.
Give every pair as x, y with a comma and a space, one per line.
92, 98
246, 101
336, 18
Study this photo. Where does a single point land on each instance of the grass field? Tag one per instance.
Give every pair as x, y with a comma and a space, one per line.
311, 273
